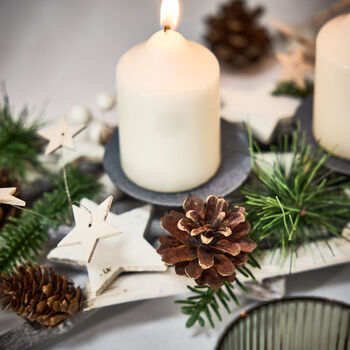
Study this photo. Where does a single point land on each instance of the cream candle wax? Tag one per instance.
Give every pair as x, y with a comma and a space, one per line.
331, 123
168, 109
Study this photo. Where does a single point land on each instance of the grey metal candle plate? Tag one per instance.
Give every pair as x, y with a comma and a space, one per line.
235, 168
304, 114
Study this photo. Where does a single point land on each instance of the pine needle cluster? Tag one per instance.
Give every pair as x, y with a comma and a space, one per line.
19, 143
297, 203
291, 89
205, 301
22, 238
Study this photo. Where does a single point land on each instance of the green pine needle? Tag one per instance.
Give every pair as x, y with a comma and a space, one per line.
288, 207
290, 89
22, 238
207, 302
19, 144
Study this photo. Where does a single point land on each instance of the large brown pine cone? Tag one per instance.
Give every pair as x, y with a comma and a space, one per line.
38, 294
208, 242
235, 36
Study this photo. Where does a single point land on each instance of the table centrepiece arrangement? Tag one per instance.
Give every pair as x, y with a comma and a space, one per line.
219, 213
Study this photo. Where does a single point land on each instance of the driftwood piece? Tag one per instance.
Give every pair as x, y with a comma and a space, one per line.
27, 335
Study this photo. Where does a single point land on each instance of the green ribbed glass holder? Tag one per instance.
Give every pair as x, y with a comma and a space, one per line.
290, 324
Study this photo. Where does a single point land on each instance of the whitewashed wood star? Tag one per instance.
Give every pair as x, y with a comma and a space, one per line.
60, 135
90, 228
257, 107
127, 252
6, 197
84, 149
295, 67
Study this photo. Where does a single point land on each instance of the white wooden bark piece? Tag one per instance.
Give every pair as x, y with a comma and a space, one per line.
133, 287
127, 252
311, 256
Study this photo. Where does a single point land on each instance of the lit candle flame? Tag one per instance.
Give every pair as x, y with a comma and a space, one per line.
169, 13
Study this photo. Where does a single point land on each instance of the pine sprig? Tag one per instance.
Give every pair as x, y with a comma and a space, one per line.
290, 205
22, 238
19, 143
291, 89
206, 302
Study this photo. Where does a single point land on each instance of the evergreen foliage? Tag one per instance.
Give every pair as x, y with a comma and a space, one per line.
297, 203
19, 144
207, 301
290, 89
22, 238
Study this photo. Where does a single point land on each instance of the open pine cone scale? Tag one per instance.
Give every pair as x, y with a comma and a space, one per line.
208, 242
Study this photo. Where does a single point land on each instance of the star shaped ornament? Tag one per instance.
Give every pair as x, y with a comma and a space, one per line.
127, 252
84, 149
6, 197
61, 135
89, 228
295, 67
257, 107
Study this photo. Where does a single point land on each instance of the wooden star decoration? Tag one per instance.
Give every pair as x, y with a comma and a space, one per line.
90, 228
84, 150
60, 135
295, 67
6, 197
257, 107
127, 252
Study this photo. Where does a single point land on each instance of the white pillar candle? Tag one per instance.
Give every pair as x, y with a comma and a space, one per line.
168, 109
331, 124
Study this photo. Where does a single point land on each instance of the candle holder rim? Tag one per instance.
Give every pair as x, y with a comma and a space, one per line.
234, 170
283, 300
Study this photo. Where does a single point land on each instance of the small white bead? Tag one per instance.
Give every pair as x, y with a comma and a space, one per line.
80, 115
106, 101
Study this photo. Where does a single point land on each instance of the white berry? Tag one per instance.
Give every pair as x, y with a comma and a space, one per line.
105, 101
80, 115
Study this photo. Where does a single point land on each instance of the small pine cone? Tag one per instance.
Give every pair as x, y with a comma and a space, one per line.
235, 36
208, 242
38, 294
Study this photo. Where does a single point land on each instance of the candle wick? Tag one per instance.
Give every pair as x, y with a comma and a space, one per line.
166, 28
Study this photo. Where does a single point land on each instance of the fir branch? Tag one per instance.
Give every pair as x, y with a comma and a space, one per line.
290, 89
205, 301
19, 143
22, 238
292, 205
